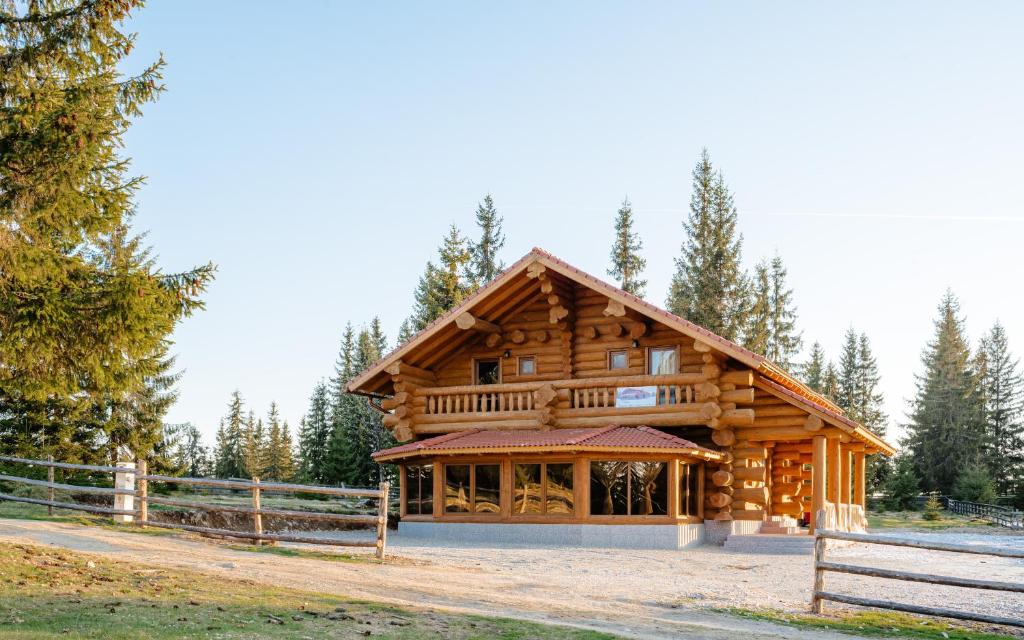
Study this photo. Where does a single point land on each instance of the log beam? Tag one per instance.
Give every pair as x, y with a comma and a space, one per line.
467, 321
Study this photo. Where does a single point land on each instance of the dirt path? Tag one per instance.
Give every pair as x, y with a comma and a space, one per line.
644, 594
410, 582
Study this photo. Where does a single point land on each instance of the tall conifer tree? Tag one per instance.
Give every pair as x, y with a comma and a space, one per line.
814, 370
627, 263
442, 286
484, 264
946, 426
1003, 391
709, 286
81, 302
314, 434
231, 441
771, 317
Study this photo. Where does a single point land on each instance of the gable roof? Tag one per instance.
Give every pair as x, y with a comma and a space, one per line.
760, 364
640, 439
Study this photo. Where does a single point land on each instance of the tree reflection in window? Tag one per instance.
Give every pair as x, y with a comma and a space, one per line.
619, 488
543, 488
456, 488
528, 489
558, 489
419, 489
689, 489
488, 486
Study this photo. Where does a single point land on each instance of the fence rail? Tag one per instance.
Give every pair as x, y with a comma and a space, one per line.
132, 500
1004, 516
822, 565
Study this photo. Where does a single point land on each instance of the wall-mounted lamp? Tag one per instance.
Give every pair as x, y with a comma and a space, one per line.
635, 343
507, 354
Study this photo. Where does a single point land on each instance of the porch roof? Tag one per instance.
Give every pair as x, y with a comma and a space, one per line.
612, 439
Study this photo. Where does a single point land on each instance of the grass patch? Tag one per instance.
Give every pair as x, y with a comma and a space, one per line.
915, 520
882, 624
47, 592
290, 552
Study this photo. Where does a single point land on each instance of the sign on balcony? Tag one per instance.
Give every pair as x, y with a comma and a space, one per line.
636, 396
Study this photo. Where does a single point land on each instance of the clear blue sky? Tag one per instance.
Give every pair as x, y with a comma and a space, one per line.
317, 151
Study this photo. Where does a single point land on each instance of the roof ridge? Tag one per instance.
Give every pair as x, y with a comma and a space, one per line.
597, 431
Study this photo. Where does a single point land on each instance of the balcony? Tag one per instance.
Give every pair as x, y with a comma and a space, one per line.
656, 400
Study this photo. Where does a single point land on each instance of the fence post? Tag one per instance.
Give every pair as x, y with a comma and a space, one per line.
143, 492
49, 490
817, 605
124, 480
382, 519
257, 518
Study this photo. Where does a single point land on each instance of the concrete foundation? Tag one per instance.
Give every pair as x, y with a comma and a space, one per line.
624, 536
716, 531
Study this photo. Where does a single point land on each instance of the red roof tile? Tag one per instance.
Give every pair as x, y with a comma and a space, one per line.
598, 437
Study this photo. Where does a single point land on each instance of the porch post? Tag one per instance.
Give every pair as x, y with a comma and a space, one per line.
817, 479
844, 487
859, 486
835, 476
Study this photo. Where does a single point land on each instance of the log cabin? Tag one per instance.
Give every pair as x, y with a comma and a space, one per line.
554, 407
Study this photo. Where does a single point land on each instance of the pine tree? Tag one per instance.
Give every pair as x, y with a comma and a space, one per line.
231, 441
757, 334
277, 462
344, 414
405, 332
709, 287
947, 415
903, 484
849, 362
814, 370
442, 287
785, 339
81, 302
484, 264
1003, 390
313, 436
191, 456
830, 382
627, 263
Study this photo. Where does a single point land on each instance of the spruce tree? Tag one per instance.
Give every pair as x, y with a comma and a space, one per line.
785, 339
191, 456
314, 435
814, 370
81, 302
484, 264
709, 286
1003, 392
344, 413
277, 463
757, 334
627, 263
830, 382
946, 426
849, 363
231, 440
442, 286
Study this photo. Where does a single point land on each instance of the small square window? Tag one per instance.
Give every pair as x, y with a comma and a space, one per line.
808, 466
618, 360
527, 365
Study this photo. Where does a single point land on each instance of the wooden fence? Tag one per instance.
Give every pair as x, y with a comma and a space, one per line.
1004, 516
132, 500
821, 565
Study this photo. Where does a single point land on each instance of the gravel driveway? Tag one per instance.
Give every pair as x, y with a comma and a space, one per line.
651, 594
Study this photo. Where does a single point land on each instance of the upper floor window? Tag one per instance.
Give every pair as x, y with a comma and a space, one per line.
487, 371
618, 359
662, 360
527, 365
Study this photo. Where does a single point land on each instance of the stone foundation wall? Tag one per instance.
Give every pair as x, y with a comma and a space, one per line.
716, 531
624, 536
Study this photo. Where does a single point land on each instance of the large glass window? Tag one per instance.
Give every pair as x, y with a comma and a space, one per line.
487, 485
620, 488
543, 488
419, 490
689, 489
457, 495
472, 488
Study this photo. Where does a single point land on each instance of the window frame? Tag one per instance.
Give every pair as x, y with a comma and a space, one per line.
519, 365
406, 501
472, 512
543, 488
666, 470
612, 353
667, 347
476, 371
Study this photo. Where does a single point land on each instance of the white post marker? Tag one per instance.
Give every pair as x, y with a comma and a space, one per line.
124, 480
